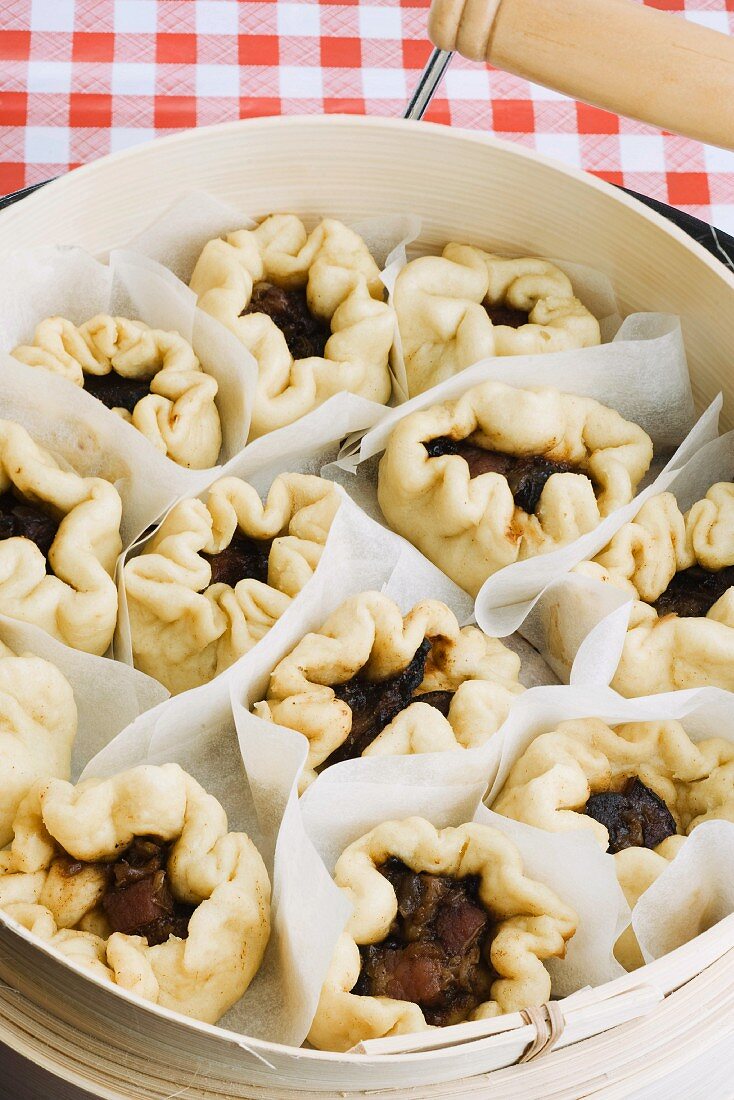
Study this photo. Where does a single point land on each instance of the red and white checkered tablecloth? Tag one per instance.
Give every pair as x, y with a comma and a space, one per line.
81, 78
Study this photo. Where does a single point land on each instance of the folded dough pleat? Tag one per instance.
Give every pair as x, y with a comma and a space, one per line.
551, 783
667, 651
77, 602
179, 415
343, 288
530, 924
444, 326
218, 873
185, 629
472, 526
38, 724
368, 641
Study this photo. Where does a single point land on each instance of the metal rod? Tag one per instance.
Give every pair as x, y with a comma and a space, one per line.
430, 79
15, 196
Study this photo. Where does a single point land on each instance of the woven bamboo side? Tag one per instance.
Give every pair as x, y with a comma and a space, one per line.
663, 1051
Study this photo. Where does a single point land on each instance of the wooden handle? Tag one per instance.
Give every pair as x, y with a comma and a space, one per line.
629, 59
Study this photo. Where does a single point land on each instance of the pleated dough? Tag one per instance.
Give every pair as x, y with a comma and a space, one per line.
471, 527
343, 287
533, 924
219, 872
77, 602
671, 652
186, 630
444, 327
39, 722
551, 782
368, 635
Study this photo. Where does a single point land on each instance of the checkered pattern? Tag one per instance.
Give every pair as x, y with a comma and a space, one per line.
81, 78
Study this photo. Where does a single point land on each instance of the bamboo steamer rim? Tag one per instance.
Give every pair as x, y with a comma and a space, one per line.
708, 998
713, 953
83, 180
159, 145
70, 180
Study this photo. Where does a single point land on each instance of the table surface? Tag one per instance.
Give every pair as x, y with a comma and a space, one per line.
82, 78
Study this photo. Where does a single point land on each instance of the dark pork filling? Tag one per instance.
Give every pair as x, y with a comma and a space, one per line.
244, 557
22, 519
137, 899
502, 314
375, 704
526, 474
115, 391
305, 334
437, 952
693, 592
440, 700
635, 817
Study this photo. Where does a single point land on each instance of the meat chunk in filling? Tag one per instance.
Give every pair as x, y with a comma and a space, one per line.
138, 899
635, 817
693, 592
244, 557
502, 314
305, 334
116, 391
375, 704
526, 474
439, 700
437, 952
23, 519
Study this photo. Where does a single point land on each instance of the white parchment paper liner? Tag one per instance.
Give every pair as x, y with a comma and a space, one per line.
108, 696
579, 624
67, 282
692, 894
196, 730
339, 812
695, 890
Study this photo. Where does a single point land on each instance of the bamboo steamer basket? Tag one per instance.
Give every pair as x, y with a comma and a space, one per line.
76, 1037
